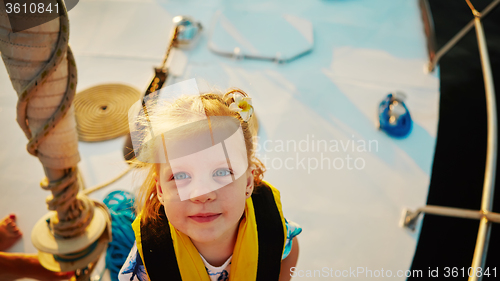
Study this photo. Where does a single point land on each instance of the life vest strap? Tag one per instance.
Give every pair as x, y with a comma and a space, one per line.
158, 250
270, 234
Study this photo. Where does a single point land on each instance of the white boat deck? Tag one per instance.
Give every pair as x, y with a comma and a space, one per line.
363, 50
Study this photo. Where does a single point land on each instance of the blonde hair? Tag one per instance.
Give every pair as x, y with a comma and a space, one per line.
182, 111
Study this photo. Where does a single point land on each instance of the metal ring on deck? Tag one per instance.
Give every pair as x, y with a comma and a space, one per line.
394, 117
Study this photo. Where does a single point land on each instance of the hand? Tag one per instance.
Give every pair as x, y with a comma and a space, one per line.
19, 265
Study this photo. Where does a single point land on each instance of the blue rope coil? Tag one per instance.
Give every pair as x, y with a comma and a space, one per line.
121, 208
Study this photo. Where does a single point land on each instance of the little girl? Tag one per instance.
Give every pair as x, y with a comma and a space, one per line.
204, 211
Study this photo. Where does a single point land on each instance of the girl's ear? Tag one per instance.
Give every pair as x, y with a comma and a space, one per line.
159, 192
250, 183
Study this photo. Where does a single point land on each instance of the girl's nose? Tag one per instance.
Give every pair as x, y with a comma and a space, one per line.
202, 190
202, 198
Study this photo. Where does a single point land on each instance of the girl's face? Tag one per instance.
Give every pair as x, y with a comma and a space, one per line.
204, 196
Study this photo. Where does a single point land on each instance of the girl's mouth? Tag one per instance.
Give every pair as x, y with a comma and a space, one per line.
205, 217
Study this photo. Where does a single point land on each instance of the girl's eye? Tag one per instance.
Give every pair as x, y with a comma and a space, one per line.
180, 176
222, 173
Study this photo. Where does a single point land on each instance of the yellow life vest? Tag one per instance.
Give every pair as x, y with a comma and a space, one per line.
260, 243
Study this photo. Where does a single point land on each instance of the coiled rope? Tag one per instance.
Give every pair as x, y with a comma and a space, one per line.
121, 207
102, 111
102, 114
43, 72
78, 209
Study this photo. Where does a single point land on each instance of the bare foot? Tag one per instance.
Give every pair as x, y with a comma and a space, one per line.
9, 232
